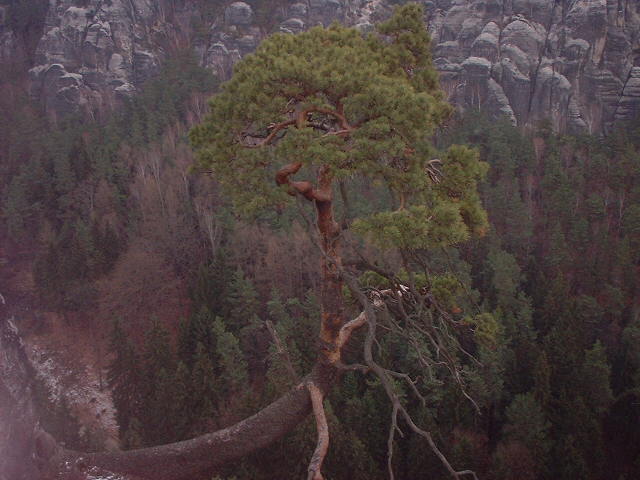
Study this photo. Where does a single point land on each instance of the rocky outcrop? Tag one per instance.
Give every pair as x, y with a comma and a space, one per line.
92, 51
574, 62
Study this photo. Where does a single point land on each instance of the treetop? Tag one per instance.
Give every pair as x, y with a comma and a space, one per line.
347, 104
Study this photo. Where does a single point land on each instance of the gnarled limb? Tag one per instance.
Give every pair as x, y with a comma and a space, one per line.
275, 129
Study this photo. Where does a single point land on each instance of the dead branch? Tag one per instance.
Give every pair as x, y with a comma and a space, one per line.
393, 427
315, 465
275, 129
385, 379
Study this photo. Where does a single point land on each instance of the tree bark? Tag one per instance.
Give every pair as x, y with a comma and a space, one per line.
331, 298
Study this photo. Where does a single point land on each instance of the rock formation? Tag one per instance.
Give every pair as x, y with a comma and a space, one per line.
573, 62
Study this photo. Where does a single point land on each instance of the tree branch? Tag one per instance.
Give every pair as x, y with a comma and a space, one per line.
315, 465
386, 382
304, 188
274, 131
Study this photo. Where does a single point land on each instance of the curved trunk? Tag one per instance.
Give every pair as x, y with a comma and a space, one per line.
202, 455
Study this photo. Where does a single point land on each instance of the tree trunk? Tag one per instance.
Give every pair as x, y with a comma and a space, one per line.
331, 298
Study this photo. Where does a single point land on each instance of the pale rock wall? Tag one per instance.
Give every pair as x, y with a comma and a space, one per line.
573, 62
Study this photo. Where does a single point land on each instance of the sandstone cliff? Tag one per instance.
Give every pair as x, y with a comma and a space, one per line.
574, 62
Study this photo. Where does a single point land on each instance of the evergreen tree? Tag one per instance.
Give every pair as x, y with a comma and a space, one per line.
212, 284
595, 374
124, 380
243, 302
159, 365
197, 329
181, 412
526, 423
232, 376
204, 390
541, 379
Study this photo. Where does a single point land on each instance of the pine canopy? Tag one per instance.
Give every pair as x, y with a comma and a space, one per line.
334, 103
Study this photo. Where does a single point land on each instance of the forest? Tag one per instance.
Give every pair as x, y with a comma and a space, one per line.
208, 308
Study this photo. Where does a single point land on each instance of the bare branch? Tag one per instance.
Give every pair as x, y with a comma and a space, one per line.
315, 465
392, 431
385, 380
275, 129
352, 367
411, 383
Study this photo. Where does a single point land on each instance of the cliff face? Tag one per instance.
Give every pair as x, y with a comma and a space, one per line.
18, 420
575, 62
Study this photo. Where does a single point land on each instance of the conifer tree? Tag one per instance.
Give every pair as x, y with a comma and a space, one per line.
211, 287
181, 412
159, 365
233, 376
596, 373
204, 390
124, 380
526, 423
330, 105
197, 329
243, 302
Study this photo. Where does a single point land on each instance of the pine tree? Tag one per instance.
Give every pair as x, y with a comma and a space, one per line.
204, 390
159, 365
211, 287
595, 375
243, 302
232, 367
541, 379
197, 329
124, 379
527, 424
181, 412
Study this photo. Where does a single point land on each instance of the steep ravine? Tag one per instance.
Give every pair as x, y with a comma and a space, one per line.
509, 57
